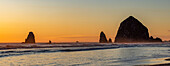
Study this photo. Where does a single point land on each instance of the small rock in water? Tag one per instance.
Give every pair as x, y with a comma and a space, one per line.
77, 41
49, 42
110, 40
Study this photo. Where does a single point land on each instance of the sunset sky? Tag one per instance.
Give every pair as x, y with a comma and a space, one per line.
79, 20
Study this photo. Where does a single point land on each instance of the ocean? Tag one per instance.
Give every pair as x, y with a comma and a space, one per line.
116, 55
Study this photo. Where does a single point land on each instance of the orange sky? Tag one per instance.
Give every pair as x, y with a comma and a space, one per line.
78, 20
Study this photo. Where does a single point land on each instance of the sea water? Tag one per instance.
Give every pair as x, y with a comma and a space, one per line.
119, 55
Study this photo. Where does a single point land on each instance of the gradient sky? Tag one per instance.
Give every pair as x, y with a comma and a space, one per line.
79, 20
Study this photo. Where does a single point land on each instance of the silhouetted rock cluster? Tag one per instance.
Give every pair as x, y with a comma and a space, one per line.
132, 30
103, 38
30, 38
155, 39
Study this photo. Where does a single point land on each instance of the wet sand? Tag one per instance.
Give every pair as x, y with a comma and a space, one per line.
130, 54
87, 56
168, 64
163, 64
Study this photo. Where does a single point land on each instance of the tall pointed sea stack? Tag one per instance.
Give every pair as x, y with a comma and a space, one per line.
30, 38
132, 30
103, 38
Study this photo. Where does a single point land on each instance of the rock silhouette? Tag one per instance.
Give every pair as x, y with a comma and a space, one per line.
30, 38
158, 39
49, 42
110, 40
103, 38
132, 30
151, 39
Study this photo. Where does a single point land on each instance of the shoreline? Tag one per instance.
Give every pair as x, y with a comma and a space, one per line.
45, 45
73, 44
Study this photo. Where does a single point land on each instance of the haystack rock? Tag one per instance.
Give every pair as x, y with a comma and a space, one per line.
110, 40
132, 30
103, 38
30, 38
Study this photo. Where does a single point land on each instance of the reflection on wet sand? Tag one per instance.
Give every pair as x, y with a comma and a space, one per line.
157, 62
127, 56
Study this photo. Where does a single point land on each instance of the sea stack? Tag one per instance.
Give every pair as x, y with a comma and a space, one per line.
103, 38
132, 30
30, 38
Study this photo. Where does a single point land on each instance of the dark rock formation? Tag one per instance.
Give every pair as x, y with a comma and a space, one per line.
151, 39
110, 40
158, 39
30, 38
49, 42
77, 41
132, 30
103, 38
